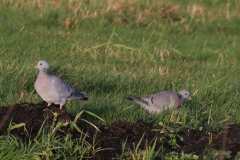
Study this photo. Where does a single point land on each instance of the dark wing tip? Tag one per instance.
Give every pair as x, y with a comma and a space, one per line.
129, 97
84, 98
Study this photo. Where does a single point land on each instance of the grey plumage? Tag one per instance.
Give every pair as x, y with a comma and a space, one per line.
76, 95
137, 99
52, 89
162, 100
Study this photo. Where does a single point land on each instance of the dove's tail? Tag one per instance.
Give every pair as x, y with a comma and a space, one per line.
76, 95
136, 99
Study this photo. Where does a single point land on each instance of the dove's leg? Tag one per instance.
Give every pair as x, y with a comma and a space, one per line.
61, 105
62, 102
49, 104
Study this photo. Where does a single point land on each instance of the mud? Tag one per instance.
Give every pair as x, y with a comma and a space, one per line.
112, 136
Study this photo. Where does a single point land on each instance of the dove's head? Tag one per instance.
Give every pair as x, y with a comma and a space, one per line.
185, 94
43, 66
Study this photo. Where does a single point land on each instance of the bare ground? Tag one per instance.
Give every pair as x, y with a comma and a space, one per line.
112, 136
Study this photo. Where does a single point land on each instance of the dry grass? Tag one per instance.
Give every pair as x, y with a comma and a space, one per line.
127, 12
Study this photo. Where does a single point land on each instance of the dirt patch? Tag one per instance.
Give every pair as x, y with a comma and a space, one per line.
112, 136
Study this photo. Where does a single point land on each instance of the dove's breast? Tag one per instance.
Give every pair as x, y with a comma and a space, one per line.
42, 86
41, 82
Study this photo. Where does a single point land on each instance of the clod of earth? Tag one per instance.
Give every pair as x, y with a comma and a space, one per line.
33, 115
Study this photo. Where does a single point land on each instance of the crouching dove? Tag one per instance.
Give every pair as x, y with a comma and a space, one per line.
52, 89
162, 100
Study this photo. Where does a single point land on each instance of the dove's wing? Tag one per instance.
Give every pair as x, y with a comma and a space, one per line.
162, 99
60, 87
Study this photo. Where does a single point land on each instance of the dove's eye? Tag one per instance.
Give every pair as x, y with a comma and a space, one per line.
185, 93
40, 63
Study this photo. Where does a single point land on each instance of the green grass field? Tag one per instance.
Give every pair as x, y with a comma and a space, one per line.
111, 49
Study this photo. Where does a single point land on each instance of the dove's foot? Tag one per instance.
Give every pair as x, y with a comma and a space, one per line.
60, 107
49, 104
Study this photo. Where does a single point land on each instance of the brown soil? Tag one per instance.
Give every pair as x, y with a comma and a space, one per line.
112, 136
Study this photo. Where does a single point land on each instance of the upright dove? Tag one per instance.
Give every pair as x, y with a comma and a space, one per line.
52, 89
160, 101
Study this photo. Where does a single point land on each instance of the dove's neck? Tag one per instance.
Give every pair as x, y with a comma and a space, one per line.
46, 71
180, 96
181, 100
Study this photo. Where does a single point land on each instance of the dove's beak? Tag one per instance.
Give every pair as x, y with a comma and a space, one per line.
36, 66
190, 98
